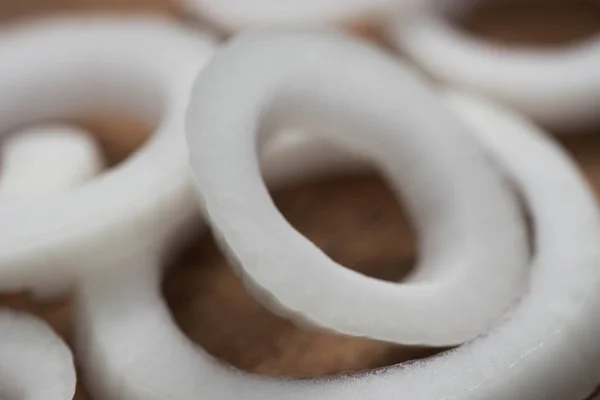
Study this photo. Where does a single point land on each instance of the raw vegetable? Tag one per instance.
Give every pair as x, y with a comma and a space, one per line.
41, 162
70, 68
559, 88
469, 223
35, 364
46, 160
547, 348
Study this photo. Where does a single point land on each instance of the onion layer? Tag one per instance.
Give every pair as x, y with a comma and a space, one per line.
69, 68
558, 88
469, 223
547, 348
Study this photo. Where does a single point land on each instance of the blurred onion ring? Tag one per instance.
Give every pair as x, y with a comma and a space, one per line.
71, 68
547, 348
44, 160
469, 222
236, 15
35, 364
559, 88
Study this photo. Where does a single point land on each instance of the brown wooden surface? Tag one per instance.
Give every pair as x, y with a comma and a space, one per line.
355, 220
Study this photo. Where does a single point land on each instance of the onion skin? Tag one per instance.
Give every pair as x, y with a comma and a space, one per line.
469, 223
559, 89
69, 68
547, 348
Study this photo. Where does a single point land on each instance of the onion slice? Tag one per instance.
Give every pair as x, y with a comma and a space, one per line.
69, 68
45, 161
559, 88
35, 363
547, 348
469, 223
236, 15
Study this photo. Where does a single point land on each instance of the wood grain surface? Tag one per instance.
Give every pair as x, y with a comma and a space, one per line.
355, 220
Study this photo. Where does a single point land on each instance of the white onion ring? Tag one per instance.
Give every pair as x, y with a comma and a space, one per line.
42, 161
559, 88
68, 68
35, 363
236, 15
470, 225
546, 349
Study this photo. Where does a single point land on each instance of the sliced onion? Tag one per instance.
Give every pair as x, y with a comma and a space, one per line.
35, 364
559, 88
67, 68
235, 15
547, 348
45, 160
469, 223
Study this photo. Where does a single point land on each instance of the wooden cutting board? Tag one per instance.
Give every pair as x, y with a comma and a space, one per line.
355, 220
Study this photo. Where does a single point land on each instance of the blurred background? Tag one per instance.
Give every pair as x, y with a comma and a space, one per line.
355, 220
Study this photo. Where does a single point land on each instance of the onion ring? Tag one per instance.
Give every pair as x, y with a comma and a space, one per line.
236, 15
63, 68
559, 88
471, 229
45, 160
41, 162
547, 348
35, 363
